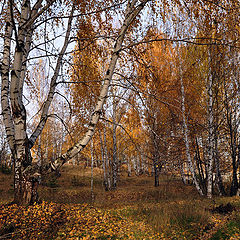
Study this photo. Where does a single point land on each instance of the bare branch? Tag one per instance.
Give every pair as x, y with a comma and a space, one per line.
47, 103
131, 12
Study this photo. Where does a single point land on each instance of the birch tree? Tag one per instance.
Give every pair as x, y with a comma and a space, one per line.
22, 20
186, 133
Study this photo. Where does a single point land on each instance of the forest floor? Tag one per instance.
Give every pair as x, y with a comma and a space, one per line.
136, 210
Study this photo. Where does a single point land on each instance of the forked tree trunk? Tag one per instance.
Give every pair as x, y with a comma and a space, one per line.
26, 176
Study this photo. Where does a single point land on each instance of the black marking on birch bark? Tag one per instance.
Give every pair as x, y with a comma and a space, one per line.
108, 71
3, 67
24, 64
20, 47
99, 112
5, 88
7, 47
9, 135
70, 149
63, 159
5, 73
91, 125
30, 143
13, 73
25, 4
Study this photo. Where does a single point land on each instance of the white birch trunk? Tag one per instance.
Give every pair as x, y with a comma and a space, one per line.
210, 134
5, 69
92, 161
185, 129
22, 181
14, 114
114, 137
129, 166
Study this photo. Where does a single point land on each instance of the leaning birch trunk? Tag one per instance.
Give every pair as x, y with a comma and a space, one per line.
185, 129
131, 12
182, 173
26, 175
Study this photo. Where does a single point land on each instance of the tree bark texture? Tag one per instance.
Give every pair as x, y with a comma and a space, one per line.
26, 175
210, 136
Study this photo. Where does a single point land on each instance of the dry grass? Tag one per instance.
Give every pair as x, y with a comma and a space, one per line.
6, 187
74, 187
173, 210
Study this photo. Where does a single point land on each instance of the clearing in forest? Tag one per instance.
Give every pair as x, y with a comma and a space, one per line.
136, 210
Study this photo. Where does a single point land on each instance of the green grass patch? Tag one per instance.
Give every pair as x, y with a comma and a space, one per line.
231, 229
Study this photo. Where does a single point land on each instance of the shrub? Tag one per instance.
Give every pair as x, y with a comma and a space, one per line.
51, 182
5, 169
76, 182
